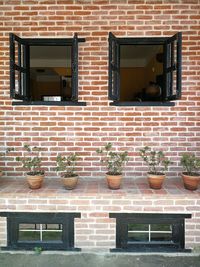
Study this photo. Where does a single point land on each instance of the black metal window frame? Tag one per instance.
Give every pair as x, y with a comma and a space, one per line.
14, 219
169, 66
178, 232
23, 68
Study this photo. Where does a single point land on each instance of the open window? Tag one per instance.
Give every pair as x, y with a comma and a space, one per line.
44, 70
144, 71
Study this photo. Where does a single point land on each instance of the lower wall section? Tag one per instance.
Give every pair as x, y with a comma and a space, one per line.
100, 260
95, 230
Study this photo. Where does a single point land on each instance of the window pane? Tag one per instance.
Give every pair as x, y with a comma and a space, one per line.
51, 236
28, 226
161, 227
29, 232
138, 227
17, 79
138, 237
29, 236
161, 237
52, 226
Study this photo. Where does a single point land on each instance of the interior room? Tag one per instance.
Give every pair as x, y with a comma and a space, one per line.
50, 73
141, 72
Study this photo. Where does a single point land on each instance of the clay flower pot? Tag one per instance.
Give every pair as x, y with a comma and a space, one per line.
114, 181
35, 181
156, 180
191, 182
70, 182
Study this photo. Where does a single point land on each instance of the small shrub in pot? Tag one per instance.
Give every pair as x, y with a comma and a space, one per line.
114, 162
191, 166
31, 161
67, 167
157, 164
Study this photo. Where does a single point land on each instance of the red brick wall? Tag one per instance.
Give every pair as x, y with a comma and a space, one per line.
84, 129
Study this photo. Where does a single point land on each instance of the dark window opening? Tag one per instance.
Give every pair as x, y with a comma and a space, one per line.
144, 70
44, 70
50, 73
150, 232
50, 231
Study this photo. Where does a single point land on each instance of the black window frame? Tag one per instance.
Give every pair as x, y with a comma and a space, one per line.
16, 218
23, 67
169, 66
178, 232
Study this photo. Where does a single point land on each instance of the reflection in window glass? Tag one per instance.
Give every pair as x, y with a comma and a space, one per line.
40, 232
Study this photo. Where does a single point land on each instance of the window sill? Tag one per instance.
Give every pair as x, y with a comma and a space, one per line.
48, 103
145, 103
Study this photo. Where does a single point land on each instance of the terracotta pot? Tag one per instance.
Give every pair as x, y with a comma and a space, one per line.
35, 181
190, 182
70, 182
156, 180
1, 173
114, 181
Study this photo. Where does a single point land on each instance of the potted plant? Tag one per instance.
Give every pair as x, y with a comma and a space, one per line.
191, 165
157, 164
31, 161
67, 167
114, 162
3, 155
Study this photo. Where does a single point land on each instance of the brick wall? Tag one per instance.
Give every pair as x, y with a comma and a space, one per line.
84, 129
94, 201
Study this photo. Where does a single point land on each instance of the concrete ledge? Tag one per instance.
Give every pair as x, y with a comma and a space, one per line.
70, 259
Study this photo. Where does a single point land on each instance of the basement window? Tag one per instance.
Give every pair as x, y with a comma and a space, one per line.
150, 232
44, 71
145, 71
50, 231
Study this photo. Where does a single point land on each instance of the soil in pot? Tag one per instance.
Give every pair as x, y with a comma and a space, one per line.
156, 180
191, 182
114, 181
70, 182
35, 181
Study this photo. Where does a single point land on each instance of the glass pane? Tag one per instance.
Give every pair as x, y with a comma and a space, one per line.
174, 84
17, 78
52, 226
138, 227
138, 237
169, 55
161, 227
27, 226
161, 237
51, 236
29, 236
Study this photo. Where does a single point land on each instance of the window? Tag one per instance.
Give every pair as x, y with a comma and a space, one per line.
144, 71
44, 70
150, 232
46, 230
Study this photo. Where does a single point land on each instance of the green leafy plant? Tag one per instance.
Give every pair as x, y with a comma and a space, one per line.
67, 165
114, 161
31, 161
155, 160
38, 250
190, 163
